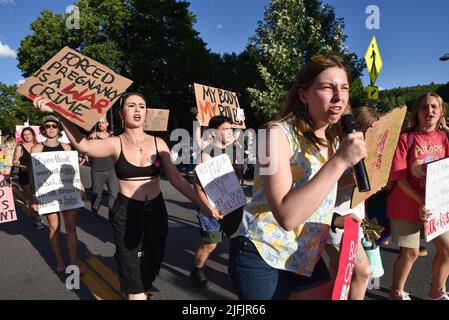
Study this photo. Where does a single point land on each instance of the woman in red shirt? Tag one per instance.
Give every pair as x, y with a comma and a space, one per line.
422, 144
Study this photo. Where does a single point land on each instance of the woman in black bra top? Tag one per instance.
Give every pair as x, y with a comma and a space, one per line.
139, 217
52, 131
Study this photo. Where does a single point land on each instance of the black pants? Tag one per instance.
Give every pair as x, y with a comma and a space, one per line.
140, 231
99, 179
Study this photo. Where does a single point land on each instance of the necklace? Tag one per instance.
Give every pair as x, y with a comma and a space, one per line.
135, 143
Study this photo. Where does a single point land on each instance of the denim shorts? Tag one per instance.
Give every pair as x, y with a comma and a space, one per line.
140, 231
254, 279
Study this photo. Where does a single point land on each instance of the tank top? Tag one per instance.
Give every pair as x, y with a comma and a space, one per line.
128, 172
300, 249
46, 148
25, 158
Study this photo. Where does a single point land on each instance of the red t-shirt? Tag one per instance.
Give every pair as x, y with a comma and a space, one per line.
427, 147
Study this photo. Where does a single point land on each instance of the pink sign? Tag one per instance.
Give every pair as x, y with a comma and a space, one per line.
40, 138
7, 208
436, 225
347, 260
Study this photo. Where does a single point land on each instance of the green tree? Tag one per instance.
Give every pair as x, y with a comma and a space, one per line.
49, 34
151, 42
358, 94
15, 109
292, 32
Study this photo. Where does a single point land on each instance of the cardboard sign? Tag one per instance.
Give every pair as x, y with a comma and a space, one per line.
214, 102
381, 140
220, 184
347, 259
39, 137
437, 199
80, 89
7, 207
156, 120
57, 181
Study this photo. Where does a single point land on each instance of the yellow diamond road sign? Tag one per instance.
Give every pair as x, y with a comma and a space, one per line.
373, 93
373, 60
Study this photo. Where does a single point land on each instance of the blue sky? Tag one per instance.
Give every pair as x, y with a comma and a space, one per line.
412, 35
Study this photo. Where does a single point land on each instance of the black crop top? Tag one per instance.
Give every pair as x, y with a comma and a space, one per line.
127, 171
46, 148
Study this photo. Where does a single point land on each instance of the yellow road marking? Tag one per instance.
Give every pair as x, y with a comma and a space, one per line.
105, 272
99, 289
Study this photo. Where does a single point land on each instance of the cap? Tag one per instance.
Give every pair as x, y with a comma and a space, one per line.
50, 118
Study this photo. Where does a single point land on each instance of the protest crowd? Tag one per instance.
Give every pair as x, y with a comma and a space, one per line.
306, 200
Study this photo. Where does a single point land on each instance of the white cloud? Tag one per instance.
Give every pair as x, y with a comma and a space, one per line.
6, 51
7, 2
20, 82
219, 26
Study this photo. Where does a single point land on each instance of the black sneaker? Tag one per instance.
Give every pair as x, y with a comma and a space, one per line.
198, 277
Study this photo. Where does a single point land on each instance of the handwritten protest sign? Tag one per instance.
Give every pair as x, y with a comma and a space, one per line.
7, 207
214, 102
57, 181
156, 120
80, 89
381, 140
220, 184
347, 260
19, 129
437, 199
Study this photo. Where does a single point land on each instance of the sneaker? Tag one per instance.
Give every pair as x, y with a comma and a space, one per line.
398, 295
39, 225
442, 295
198, 277
422, 251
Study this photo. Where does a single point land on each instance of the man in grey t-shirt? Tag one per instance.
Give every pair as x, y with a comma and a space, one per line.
102, 172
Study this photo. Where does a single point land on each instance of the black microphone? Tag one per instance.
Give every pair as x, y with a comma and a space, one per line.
349, 126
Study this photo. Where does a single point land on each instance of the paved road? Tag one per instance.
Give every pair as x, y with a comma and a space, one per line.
27, 265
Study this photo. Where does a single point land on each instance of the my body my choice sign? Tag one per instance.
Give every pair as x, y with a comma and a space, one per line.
214, 102
80, 89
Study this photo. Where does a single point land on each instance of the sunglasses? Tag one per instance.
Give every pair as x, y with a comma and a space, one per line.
54, 126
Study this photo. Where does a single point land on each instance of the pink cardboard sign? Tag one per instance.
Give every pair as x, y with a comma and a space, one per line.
347, 260
7, 207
